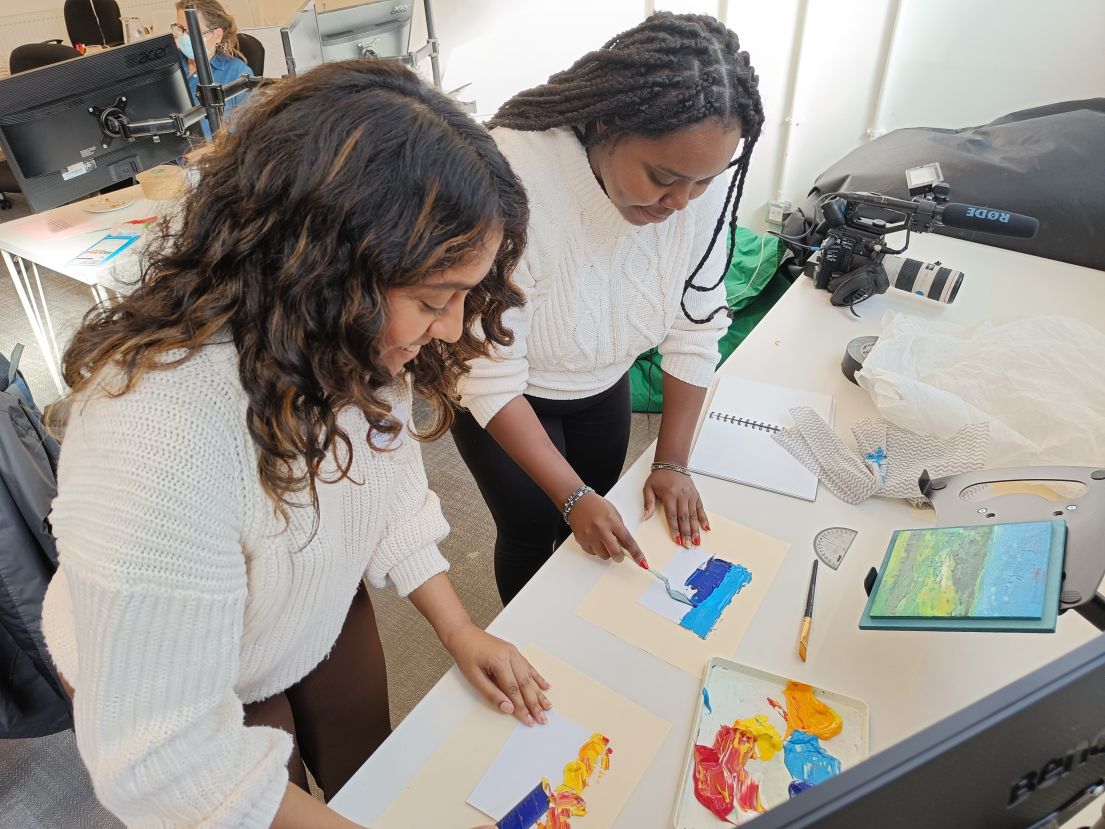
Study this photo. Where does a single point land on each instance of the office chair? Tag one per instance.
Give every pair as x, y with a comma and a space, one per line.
93, 22
23, 58
35, 55
253, 51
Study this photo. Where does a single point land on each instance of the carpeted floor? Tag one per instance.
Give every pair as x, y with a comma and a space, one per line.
42, 782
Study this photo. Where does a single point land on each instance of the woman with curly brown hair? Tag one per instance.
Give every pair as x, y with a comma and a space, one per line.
238, 457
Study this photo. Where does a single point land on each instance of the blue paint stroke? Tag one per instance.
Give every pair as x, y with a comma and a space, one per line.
701, 619
529, 810
879, 458
1014, 577
798, 786
706, 701
705, 580
807, 761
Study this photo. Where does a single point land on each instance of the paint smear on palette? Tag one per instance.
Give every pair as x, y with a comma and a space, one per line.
566, 801
722, 780
709, 582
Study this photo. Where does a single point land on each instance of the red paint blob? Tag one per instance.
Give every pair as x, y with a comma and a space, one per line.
721, 780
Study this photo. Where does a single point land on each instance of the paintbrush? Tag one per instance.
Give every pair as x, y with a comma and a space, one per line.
678, 595
807, 619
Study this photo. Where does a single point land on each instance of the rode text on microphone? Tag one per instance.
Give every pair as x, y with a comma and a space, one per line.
853, 261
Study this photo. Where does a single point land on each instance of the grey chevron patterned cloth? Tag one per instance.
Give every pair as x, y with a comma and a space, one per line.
888, 459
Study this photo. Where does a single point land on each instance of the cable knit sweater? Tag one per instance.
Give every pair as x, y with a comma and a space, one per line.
181, 595
599, 291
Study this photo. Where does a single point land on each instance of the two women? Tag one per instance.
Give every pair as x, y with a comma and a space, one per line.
239, 455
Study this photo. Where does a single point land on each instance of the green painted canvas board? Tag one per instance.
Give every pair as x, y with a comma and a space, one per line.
993, 577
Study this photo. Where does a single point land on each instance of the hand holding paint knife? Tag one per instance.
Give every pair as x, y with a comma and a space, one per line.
679, 596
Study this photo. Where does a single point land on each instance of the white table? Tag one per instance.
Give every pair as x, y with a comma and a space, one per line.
28, 243
909, 679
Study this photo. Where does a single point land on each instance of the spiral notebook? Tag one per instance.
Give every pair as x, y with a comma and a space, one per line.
735, 442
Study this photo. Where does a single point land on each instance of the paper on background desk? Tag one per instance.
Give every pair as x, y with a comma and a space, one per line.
614, 603
436, 795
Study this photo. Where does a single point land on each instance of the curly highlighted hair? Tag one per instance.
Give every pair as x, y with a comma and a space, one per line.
334, 188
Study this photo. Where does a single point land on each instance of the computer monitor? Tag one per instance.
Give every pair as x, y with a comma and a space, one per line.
378, 28
1029, 755
302, 41
49, 126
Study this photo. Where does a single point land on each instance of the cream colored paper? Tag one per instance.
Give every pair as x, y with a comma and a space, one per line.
436, 796
614, 604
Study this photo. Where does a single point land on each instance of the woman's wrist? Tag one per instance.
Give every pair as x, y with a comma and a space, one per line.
572, 500
659, 466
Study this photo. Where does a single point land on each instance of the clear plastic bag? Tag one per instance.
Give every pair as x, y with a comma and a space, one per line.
1039, 382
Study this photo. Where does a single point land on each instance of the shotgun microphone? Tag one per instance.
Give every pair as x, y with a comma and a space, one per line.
988, 220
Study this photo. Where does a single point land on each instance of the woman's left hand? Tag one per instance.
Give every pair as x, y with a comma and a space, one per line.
682, 503
499, 671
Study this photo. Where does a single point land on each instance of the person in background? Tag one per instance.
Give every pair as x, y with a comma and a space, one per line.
626, 160
238, 456
220, 36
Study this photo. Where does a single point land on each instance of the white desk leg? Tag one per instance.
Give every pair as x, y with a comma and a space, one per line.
47, 344
100, 293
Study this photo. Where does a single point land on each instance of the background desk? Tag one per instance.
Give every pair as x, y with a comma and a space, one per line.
26, 244
909, 679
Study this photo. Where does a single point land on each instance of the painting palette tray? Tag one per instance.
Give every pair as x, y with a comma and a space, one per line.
731, 692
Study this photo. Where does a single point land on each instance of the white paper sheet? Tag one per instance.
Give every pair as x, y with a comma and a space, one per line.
656, 597
529, 754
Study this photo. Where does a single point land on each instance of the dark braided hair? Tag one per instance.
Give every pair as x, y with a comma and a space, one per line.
670, 71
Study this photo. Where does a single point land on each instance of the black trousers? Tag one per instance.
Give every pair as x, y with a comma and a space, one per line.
592, 433
338, 714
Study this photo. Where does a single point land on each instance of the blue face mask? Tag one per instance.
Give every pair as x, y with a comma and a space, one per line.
184, 44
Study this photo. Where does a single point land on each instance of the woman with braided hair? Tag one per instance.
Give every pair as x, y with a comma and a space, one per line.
627, 251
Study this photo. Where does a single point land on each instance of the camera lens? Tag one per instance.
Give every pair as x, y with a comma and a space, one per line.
929, 280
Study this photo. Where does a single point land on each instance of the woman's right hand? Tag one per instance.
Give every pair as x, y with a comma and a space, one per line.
600, 530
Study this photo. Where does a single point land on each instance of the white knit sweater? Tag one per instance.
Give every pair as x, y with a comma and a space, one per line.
181, 596
599, 291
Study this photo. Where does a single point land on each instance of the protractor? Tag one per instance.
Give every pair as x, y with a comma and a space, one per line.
832, 543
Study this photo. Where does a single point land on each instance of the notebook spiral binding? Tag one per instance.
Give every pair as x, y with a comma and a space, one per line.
741, 421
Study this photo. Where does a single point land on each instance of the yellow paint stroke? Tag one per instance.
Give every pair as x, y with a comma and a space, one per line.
567, 801
807, 713
768, 740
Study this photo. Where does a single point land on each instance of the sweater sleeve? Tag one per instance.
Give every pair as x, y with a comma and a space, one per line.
494, 381
690, 350
406, 554
148, 521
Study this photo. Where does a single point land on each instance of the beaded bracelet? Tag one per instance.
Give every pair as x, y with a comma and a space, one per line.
671, 467
573, 499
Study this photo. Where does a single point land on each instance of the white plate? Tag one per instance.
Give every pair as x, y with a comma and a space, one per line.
738, 691
108, 203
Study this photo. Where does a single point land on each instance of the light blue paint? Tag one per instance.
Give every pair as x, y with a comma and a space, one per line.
706, 701
1014, 578
807, 761
702, 618
877, 457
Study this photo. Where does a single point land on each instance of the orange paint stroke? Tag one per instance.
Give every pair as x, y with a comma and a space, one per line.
807, 713
567, 801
